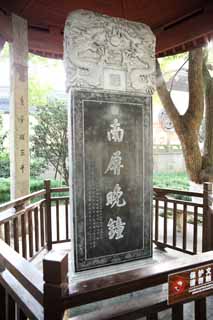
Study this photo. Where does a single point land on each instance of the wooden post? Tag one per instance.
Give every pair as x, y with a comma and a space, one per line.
207, 218
19, 113
55, 270
200, 309
177, 312
10, 307
2, 303
48, 216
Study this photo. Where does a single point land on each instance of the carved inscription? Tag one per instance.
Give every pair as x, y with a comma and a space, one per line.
110, 207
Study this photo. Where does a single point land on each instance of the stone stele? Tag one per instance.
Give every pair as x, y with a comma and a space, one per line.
106, 53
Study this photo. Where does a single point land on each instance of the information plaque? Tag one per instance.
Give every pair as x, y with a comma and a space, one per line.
190, 284
111, 176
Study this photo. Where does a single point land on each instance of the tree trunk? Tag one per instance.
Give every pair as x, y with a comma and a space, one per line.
207, 172
187, 126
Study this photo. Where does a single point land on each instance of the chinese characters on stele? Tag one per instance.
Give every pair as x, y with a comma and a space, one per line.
115, 198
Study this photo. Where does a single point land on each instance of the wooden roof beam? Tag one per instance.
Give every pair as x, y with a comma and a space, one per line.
187, 30
6, 27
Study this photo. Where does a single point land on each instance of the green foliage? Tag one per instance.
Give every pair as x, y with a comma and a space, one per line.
179, 181
4, 164
49, 139
4, 190
35, 185
3, 135
38, 184
37, 167
4, 155
38, 91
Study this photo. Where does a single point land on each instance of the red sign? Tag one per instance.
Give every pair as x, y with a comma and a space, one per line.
190, 284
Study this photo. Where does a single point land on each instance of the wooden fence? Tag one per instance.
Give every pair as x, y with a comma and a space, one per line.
41, 219
27, 293
37, 221
196, 207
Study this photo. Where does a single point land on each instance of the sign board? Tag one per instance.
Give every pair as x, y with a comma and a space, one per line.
189, 284
111, 168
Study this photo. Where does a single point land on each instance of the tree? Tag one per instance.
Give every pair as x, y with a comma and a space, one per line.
199, 165
49, 139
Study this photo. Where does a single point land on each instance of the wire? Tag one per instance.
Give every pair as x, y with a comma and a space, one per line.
172, 82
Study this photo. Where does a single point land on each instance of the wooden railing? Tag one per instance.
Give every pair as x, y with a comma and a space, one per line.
40, 220
26, 292
22, 224
173, 218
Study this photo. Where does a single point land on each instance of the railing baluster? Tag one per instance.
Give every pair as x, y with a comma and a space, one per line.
16, 234
152, 316
48, 215
177, 312
10, 308
2, 303
156, 219
36, 229
7, 232
195, 229
200, 309
42, 224
165, 222
20, 314
184, 226
57, 220
66, 219
23, 236
174, 224
30, 230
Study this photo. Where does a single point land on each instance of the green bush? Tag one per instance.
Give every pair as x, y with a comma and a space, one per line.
161, 180
179, 181
4, 190
37, 167
4, 164
35, 185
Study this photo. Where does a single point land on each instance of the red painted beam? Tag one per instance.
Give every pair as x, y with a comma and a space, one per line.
170, 39
186, 31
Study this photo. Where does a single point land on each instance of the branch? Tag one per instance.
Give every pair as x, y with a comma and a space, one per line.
173, 78
166, 99
194, 113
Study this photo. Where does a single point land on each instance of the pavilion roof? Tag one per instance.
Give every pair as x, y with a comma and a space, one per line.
179, 25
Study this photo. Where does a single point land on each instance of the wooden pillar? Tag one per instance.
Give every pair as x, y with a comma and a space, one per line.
207, 218
19, 111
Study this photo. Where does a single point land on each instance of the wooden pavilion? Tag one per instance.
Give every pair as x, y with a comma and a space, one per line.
37, 27
25, 293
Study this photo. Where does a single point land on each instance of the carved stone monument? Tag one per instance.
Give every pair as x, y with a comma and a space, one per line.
110, 69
